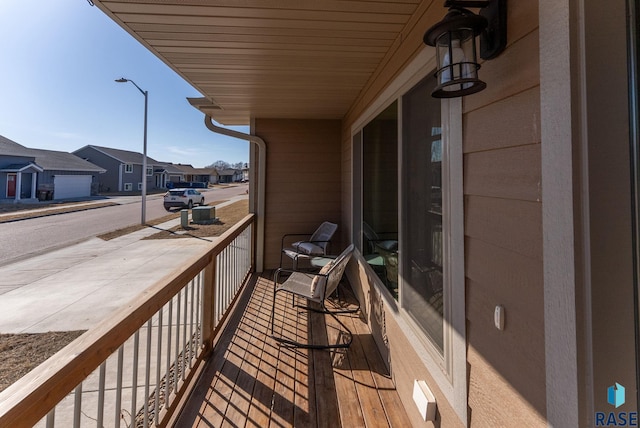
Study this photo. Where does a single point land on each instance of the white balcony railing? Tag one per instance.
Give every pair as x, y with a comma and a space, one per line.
134, 368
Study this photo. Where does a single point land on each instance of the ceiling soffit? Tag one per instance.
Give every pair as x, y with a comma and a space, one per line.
262, 58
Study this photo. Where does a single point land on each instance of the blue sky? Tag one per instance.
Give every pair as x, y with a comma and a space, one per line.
58, 63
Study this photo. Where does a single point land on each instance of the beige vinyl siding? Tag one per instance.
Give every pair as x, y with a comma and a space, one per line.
503, 233
303, 180
503, 238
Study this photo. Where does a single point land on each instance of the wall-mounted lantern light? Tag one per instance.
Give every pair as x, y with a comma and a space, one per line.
455, 41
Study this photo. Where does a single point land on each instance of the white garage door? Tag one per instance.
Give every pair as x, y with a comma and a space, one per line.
71, 186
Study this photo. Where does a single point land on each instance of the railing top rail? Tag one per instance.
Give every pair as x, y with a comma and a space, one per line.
47, 384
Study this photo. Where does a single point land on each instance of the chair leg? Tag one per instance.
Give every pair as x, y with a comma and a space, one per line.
342, 311
273, 303
296, 344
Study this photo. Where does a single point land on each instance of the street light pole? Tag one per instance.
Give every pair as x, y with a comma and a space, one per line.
144, 150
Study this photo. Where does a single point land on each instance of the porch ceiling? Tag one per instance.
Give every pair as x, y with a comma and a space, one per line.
268, 58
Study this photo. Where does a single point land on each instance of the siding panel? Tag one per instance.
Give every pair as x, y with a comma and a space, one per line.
509, 224
303, 179
500, 277
510, 122
515, 70
512, 173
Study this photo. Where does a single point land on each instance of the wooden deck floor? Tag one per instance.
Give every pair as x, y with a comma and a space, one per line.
252, 381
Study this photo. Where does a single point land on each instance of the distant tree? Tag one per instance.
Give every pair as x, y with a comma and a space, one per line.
220, 165
238, 165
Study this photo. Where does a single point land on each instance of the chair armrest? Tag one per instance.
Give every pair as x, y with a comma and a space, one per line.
289, 235
276, 274
302, 251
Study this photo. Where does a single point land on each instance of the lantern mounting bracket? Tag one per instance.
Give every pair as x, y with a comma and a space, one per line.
467, 3
494, 39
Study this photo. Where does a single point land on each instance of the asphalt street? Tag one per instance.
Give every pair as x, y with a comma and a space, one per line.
27, 238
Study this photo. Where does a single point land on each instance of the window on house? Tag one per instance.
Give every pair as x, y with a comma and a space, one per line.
139, 186
149, 171
380, 196
410, 186
128, 168
408, 256
422, 245
356, 227
128, 187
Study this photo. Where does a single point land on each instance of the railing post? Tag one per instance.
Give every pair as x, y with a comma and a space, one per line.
208, 305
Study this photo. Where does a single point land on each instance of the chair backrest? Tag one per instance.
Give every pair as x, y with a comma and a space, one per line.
370, 235
323, 234
336, 270
368, 232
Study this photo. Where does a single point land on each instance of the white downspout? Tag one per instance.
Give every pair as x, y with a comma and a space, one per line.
262, 171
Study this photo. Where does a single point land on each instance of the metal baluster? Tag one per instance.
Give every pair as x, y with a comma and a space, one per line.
118, 415
167, 382
225, 287
158, 364
51, 418
77, 406
192, 285
176, 364
216, 290
236, 265
185, 339
134, 383
100, 418
198, 306
147, 375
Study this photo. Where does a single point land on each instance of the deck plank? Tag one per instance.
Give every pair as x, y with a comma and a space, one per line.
259, 414
250, 380
248, 353
383, 382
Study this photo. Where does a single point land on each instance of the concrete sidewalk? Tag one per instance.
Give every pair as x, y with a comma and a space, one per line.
74, 288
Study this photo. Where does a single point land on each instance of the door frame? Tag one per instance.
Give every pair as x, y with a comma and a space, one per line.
15, 184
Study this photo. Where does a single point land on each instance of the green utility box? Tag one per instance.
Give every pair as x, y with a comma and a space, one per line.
184, 218
203, 215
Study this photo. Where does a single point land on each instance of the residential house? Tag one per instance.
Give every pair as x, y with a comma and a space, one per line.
230, 175
167, 173
65, 175
18, 172
513, 292
123, 169
44, 174
199, 175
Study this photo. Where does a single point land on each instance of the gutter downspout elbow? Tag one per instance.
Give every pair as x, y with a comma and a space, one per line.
262, 174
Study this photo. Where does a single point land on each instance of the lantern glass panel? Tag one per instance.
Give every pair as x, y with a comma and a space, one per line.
456, 55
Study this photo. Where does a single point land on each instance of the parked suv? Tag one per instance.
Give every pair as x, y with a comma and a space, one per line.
182, 198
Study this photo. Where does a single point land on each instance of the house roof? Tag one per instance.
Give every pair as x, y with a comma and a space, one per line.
18, 167
205, 171
188, 169
272, 58
124, 156
62, 161
11, 148
229, 172
170, 168
45, 159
